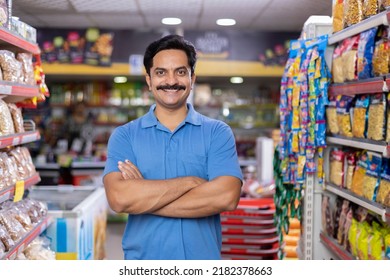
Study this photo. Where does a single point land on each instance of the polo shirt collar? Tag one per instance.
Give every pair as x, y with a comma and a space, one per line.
150, 119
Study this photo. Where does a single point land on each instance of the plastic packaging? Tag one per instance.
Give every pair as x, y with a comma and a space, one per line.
338, 15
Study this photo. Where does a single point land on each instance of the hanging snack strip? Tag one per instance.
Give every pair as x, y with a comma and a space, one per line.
303, 96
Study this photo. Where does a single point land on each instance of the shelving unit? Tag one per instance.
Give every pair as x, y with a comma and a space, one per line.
372, 206
360, 143
335, 248
19, 139
13, 42
372, 85
17, 92
11, 93
381, 18
9, 192
204, 68
367, 86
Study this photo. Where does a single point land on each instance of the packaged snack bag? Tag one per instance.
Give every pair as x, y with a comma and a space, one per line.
372, 177
376, 117
351, 165
344, 106
331, 116
375, 243
353, 12
352, 236
337, 65
384, 185
350, 57
381, 56
359, 174
336, 174
338, 15
365, 53
370, 8
360, 116
364, 230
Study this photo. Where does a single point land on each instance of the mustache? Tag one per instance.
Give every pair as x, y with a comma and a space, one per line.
171, 87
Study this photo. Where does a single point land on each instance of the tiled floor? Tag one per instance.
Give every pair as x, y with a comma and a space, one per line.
114, 240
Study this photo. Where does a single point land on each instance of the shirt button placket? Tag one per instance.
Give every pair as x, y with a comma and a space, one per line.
171, 158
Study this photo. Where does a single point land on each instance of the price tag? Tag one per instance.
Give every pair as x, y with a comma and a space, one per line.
19, 191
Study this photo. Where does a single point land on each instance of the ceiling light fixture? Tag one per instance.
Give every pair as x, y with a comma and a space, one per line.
120, 80
226, 21
171, 21
236, 80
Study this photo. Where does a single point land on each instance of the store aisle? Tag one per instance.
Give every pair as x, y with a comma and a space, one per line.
114, 240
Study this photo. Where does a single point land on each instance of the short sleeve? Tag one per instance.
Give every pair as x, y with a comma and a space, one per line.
119, 148
222, 156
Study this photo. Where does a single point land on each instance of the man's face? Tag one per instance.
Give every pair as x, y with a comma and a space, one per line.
170, 79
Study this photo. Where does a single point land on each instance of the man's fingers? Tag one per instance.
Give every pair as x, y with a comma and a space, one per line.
129, 170
134, 168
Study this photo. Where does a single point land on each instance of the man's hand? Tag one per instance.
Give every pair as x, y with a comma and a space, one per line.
129, 170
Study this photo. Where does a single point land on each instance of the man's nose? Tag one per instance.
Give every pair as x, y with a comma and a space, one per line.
171, 78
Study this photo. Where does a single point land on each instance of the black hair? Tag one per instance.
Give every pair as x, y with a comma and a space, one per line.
170, 42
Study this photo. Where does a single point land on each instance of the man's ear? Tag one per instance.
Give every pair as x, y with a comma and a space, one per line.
193, 79
147, 78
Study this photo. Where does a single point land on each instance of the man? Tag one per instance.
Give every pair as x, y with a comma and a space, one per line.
173, 170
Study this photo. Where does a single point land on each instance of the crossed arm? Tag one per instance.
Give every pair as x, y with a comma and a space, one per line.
183, 197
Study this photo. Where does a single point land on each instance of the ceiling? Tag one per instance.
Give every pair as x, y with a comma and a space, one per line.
257, 15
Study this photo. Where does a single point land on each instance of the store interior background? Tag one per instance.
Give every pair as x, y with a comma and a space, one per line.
254, 49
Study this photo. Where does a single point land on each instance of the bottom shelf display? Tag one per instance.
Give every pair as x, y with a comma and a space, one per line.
352, 232
334, 247
22, 244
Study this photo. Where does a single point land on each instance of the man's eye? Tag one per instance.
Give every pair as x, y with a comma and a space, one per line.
182, 72
159, 72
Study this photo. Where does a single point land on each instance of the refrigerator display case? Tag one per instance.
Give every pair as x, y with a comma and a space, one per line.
78, 230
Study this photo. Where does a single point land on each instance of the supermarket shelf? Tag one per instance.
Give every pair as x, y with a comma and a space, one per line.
247, 162
47, 166
372, 85
88, 165
374, 207
8, 39
19, 139
333, 246
375, 146
204, 68
14, 92
9, 192
31, 235
381, 18
78, 165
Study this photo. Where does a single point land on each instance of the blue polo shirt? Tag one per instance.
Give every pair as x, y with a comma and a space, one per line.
199, 146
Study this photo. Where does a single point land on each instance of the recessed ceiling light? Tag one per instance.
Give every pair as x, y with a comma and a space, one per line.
171, 21
236, 80
120, 80
226, 21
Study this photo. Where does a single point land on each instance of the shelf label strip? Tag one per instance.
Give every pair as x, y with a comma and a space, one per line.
5, 89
